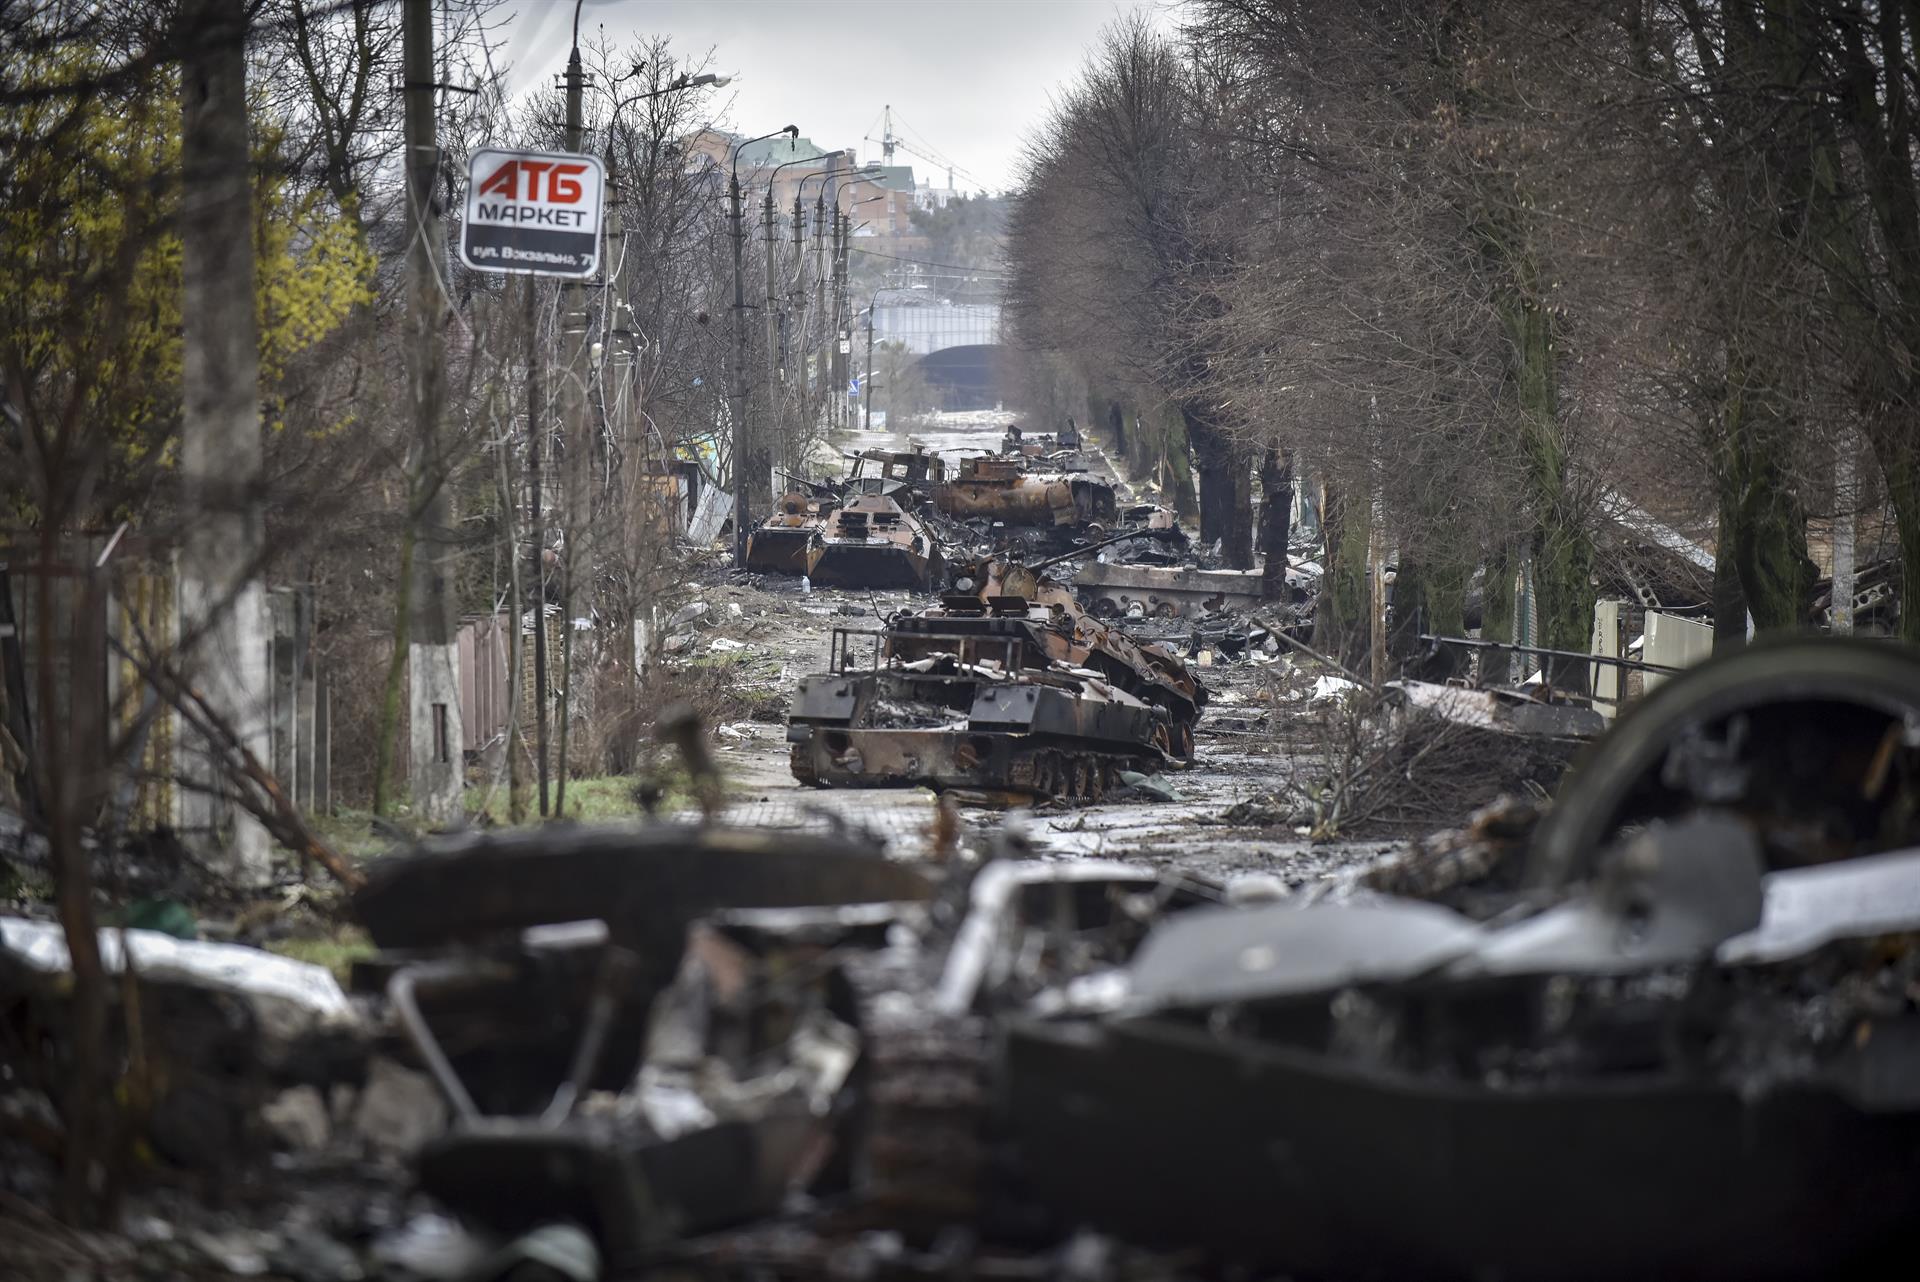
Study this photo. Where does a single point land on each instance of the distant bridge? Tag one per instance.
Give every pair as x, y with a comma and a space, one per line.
959, 345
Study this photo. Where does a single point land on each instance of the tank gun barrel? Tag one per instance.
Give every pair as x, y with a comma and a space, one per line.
1079, 552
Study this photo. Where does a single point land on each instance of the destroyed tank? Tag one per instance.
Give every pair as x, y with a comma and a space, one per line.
1005, 686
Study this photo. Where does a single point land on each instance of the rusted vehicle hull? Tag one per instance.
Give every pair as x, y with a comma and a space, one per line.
873, 542
1013, 736
1391, 1175
781, 544
836, 564
1165, 592
1007, 687
1001, 489
780, 549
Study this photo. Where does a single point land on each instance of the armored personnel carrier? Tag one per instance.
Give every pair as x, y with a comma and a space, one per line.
781, 544
863, 531
1006, 685
873, 542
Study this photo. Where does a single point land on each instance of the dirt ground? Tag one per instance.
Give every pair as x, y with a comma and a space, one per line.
774, 634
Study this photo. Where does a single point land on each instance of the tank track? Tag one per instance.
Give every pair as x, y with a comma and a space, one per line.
1059, 773
922, 1159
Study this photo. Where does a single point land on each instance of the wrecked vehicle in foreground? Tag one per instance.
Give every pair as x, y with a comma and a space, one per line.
1679, 1038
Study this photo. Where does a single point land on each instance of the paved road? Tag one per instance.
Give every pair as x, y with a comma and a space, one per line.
786, 634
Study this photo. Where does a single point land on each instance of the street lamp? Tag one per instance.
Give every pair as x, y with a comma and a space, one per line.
740, 514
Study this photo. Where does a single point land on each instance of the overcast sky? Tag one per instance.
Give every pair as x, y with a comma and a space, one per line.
968, 78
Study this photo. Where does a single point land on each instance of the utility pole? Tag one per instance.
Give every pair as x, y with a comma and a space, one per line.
1843, 553
842, 314
867, 386
741, 529
736, 212
220, 446
773, 387
837, 359
536, 434
575, 554
825, 367
436, 763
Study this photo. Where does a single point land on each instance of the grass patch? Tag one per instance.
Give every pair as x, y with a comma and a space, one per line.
336, 951
602, 799
351, 832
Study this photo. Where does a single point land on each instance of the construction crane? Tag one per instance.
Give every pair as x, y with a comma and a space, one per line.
889, 142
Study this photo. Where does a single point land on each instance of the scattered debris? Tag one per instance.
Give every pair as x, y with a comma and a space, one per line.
1165, 592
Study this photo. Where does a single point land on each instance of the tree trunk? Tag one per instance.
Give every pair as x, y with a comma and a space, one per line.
1729, 600
87, 1110
1563, 548
220, 445
1276, 491
1497, 610
1899, 459
1763, 524
1226, 491
387, 730
1341, 620
1427, 598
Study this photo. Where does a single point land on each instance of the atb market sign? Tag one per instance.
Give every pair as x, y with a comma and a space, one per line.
534, 212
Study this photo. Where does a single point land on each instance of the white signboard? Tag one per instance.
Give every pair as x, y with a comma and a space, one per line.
533, 212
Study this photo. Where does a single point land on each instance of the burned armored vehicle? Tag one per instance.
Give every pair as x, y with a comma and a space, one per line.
781, 544
907, 476
862, 531
1001, 489
1005, 686
1673, 1031
873, 542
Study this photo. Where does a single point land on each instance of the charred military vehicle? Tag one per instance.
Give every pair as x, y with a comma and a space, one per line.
906, 476
1002, 489
859, 532
1006, 686
874, 542
781, 544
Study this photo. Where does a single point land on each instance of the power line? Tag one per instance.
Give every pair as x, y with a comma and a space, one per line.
921, 262
940, 158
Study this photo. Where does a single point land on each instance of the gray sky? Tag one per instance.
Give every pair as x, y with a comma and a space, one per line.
968, 78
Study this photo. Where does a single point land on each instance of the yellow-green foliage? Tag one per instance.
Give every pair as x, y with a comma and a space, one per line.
313, 269
90, 323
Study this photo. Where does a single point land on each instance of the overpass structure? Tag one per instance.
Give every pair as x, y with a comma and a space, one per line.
959, 345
